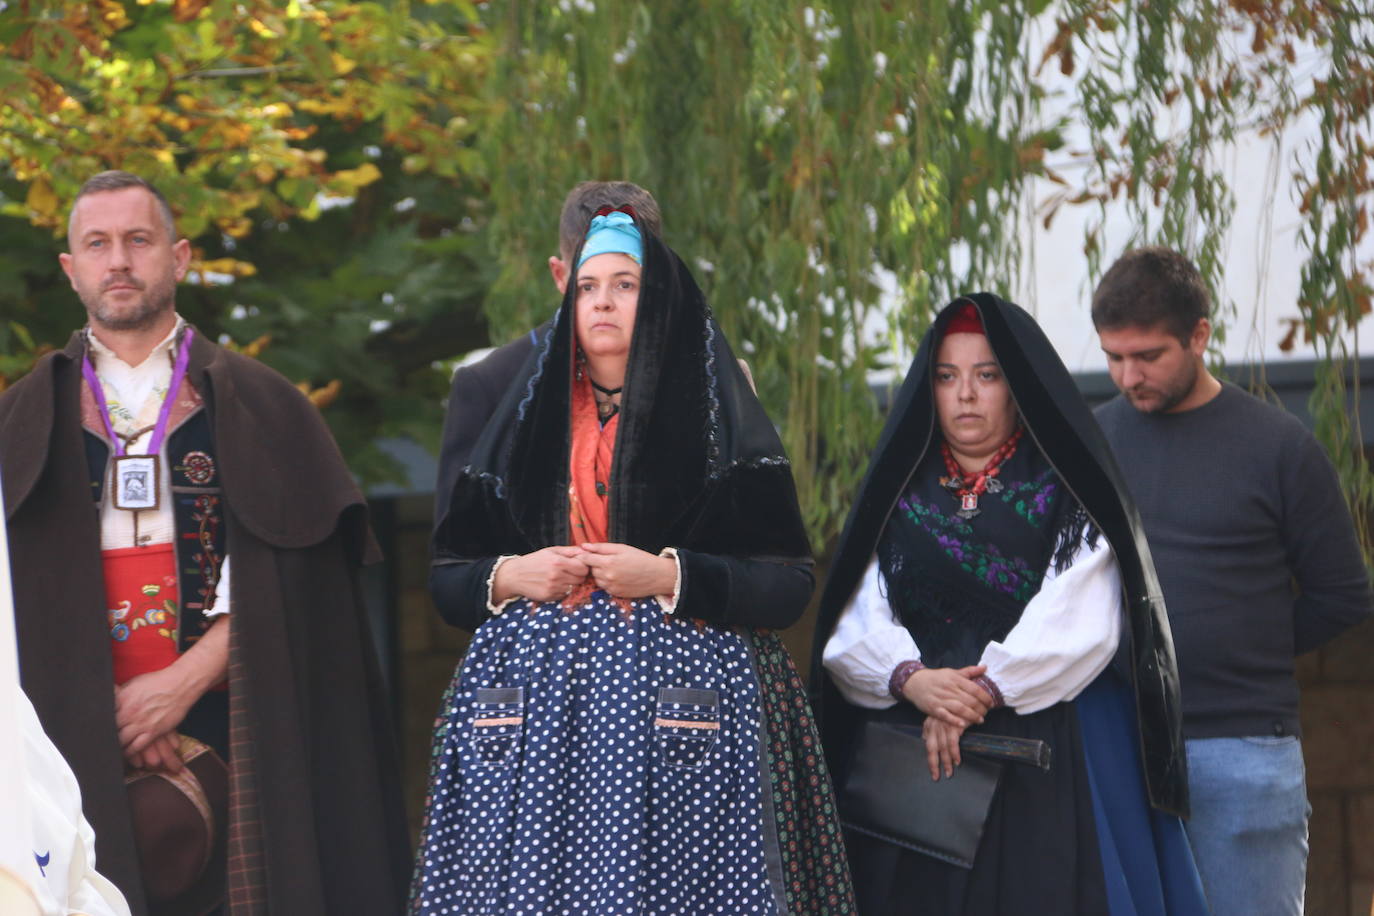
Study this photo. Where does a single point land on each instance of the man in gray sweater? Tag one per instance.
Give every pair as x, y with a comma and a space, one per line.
1258, 560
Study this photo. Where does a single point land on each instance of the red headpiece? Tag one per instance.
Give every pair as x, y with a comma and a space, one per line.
965, 321
623, 208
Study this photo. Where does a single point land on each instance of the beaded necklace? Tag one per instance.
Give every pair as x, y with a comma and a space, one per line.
967, 487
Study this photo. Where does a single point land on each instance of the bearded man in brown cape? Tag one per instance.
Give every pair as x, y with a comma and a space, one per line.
186, 542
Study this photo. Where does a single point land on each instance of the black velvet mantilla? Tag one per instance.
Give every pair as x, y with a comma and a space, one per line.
698, 464
1060, 424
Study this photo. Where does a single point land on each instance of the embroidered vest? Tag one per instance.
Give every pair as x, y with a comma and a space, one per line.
198, 510
957, 584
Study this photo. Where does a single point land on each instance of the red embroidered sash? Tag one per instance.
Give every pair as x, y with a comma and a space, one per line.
142, 602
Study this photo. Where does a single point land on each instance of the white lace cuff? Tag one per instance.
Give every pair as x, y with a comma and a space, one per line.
669, 602
491, 583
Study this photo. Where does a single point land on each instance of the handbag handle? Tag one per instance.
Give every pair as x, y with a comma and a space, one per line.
1030, 751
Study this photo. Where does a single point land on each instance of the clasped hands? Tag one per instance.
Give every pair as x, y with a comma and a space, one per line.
148, 709
551, 573
952, 701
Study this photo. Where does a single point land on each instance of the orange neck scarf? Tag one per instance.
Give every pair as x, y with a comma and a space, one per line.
589, 482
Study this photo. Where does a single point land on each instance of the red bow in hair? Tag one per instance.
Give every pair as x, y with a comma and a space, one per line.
623, 208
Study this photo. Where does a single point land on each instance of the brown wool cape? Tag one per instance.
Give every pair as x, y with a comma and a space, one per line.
321, 818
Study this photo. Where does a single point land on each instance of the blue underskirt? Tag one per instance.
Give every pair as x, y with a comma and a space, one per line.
1146, 859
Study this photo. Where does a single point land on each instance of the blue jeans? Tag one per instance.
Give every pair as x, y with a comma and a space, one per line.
1249, 825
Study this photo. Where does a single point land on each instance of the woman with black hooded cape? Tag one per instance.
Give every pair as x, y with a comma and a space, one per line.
1026, 584
624, 754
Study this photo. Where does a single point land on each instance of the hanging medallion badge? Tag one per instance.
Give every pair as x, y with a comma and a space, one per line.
135, 482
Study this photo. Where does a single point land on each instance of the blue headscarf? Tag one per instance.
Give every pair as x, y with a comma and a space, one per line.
612, 233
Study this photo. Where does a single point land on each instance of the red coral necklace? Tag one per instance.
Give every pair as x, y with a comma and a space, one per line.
968, 487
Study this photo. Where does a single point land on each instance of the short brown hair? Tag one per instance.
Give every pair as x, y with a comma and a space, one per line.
1152, 287
116, 180
584, 200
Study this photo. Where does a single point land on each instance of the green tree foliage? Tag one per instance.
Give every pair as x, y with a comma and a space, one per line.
1163, 86
318, 154
838, 170
813, 161
381, 180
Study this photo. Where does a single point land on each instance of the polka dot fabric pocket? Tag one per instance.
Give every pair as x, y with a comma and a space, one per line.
686, 726
498, 722
633, 787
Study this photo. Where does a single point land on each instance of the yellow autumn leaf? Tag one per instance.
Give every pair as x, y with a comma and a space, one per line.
229, 266
237, 228
325, 106
257, 346
342, 65
41, 199
262, 30
323, 397
112, 13
360, 177
186, 10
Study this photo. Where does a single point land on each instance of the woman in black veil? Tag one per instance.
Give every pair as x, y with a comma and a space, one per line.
625, 734
978, 588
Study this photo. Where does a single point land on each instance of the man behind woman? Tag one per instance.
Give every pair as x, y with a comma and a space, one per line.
624, 735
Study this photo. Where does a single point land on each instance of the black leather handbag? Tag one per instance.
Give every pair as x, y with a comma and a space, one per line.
889, 793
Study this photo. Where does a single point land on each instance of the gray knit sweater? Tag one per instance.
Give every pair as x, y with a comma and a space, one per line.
1255, 549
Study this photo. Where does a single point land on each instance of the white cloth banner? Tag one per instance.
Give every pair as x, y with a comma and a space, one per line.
47, 849
15, 854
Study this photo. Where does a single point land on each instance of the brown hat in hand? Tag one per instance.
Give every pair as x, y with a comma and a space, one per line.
180, 829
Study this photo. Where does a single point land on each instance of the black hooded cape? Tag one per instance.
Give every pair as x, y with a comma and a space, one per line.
1062, 426
698, 466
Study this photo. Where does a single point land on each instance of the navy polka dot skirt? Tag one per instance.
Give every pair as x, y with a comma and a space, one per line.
585, 763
